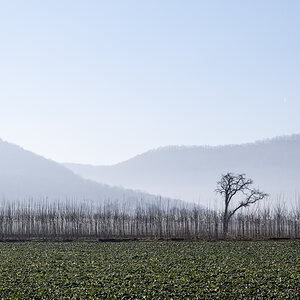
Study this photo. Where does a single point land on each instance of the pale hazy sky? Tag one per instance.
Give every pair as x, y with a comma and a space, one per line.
100, 81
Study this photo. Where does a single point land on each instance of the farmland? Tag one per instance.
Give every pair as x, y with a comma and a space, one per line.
156, 269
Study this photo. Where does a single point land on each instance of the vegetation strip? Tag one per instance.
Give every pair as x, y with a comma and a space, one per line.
158, 270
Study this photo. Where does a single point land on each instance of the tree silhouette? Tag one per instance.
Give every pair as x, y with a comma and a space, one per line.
229, 186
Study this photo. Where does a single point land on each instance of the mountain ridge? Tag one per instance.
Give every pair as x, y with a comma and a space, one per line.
191, 172
25, 175
281, 138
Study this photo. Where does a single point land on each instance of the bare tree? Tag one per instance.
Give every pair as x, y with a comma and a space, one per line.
229, 186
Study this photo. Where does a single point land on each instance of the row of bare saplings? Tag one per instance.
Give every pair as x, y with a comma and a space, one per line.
58, 222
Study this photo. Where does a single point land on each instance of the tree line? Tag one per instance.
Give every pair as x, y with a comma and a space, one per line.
57, 221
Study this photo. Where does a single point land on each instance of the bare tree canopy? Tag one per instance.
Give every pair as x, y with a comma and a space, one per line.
229, 186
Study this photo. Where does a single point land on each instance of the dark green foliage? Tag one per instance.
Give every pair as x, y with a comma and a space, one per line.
159, 270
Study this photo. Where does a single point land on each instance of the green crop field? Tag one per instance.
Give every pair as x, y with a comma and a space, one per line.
146, 270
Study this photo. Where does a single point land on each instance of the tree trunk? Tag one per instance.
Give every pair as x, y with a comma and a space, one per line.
225, 227
225, 220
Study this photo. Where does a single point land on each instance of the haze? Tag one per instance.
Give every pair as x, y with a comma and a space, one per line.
101, 81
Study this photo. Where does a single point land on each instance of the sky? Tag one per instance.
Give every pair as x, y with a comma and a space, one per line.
99, 82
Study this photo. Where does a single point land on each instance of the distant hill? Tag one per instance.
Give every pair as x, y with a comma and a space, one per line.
191, 172
25, 175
